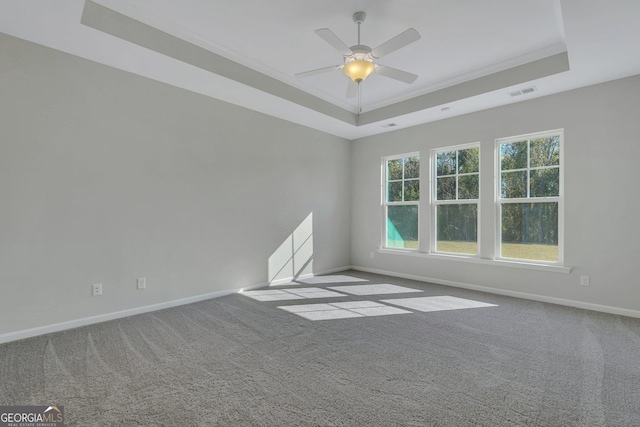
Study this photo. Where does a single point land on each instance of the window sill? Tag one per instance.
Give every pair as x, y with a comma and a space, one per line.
475, 260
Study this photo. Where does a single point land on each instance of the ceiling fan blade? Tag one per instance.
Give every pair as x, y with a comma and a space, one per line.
401, 40
396, 74
352, 89
328, 36
318, 71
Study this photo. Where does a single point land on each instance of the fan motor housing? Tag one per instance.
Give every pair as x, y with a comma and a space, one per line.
359, 59
360, 51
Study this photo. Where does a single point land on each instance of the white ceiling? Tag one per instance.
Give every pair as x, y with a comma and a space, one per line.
461, 41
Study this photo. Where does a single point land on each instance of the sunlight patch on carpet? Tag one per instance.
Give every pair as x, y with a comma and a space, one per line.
342, 310
373, 289
439, 303
337, 278
291, 294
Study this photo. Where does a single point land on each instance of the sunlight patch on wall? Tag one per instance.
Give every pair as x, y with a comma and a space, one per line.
294, 257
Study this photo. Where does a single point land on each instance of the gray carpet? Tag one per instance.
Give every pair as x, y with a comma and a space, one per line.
472, 360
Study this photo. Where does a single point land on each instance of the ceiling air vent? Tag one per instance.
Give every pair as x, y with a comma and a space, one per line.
523, 91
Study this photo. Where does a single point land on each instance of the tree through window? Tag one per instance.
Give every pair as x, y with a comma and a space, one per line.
456, 197
530, 197
402, 195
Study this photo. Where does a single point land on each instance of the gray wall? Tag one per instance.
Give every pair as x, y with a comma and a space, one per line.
602, 201
106, 177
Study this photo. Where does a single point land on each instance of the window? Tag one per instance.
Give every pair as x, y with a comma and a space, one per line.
456, 195
402, 195
530, 201
527, 225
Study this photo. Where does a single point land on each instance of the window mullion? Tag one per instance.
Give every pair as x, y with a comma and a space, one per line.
528, 168
457, 174
404, 161
531, 200
456, 202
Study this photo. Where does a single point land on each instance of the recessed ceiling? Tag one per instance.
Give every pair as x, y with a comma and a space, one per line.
471, 56
276, 37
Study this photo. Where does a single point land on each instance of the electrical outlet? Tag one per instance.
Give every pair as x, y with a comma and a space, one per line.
371, 255
97, 289
584, 280
142, 282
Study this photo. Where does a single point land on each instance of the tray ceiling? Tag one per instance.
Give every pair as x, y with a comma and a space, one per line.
472, 55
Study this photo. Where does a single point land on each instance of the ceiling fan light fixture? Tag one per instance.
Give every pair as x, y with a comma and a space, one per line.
358, 70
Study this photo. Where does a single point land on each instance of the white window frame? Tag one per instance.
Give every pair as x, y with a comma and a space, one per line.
433, 187
386, 204
499, 201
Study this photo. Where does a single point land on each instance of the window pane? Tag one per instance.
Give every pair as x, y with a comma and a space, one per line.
530, 231
457, 228
469, 160
545, 182
447, 188
468, 187
446, 163
513, 155
412, 168
394, 169
402, 227
412, 190
394, 191
513, 185
545, 151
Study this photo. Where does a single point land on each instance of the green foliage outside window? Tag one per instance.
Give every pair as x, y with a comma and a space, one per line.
402, 226
402, 195
457, 179
530, 169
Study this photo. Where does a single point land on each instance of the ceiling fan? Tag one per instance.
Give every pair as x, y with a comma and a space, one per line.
359, 60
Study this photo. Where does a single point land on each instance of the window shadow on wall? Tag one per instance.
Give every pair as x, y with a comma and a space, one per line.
294, 257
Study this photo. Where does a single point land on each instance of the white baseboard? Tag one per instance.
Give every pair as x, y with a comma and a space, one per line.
334, 270
56, 327
307, 276
516, 294
291, 279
